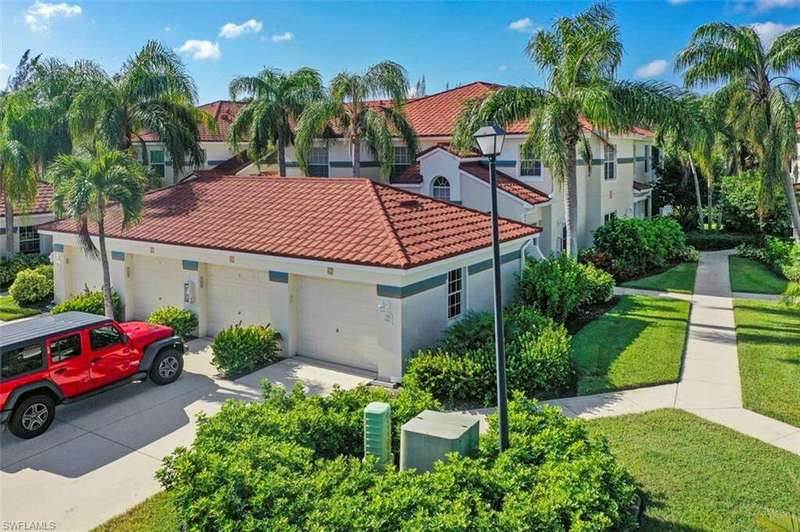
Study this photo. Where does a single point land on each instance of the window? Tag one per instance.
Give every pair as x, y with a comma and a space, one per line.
157, 162
564, 238
441, 188
103, 337
656, 153
402, 159
610, 163
610, 217
65, 348
647, 158
22, 360
455, 291
318, 161
529, 167
28, 239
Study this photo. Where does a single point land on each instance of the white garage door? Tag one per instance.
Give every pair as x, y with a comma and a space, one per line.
236, 295
156, 282
338, 321
84, 272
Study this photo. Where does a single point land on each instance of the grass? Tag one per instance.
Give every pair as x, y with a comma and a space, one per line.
679, 279
639, 342
751, 276
9, 310
698, 475
156, 514
768, 342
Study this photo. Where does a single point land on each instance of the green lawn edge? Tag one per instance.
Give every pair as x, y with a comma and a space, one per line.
10, 310
156, 514
751, 276
679, 279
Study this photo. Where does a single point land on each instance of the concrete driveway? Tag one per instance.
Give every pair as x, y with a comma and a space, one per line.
99, 455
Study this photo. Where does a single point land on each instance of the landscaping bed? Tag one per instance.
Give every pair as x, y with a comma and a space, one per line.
698, 475
768, 343
677, 279
640, 342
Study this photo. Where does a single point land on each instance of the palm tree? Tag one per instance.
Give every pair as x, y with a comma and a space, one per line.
755, 78
348, 107
84, 189
274, 100
580, 57
153, 92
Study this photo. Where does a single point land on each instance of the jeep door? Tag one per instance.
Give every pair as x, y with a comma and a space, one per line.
110, 357
69, 363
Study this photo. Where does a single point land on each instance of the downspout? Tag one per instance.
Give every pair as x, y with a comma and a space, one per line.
523, 255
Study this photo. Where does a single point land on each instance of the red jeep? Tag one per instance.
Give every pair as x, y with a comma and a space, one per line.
61, 358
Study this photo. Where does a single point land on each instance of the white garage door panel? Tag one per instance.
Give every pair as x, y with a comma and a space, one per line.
338, 322
155, 283
85, 272
237, 295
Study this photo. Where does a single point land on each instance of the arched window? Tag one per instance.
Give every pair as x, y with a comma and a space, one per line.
441, 188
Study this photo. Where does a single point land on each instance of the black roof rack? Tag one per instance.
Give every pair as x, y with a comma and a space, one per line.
18, 334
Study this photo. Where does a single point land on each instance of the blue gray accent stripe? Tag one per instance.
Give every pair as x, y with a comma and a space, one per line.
624, 160
58, 247
191, 265
278, 277
581, 162
502, 163
399, 292
484, 265
117, 255
292, 164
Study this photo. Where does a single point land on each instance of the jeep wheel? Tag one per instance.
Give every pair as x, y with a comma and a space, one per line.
167, 366
32, 416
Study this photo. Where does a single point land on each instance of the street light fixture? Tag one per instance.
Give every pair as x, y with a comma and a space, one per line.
490, 142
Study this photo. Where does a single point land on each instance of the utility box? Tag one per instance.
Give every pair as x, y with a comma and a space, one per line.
430, 436
378, 432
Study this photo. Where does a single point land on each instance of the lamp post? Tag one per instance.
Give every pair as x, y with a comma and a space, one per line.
490, 142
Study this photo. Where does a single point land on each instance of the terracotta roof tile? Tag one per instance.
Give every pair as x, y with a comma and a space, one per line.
229, 166
223, 111
349, 220
506, 183
641, 187
409, 176
44, 196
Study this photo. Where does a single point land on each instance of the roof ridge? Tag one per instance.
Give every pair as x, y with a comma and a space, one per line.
478, 82
388, 223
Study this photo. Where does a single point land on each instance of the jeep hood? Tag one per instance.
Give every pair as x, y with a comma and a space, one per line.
143, 334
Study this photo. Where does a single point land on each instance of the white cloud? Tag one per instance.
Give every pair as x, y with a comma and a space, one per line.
765, 5
769, 31
200, 50
283, 37
39, 14
522, 25
231, 30
652, 69
168, 28
502, 68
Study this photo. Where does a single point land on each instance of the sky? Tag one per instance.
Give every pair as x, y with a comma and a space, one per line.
449, 43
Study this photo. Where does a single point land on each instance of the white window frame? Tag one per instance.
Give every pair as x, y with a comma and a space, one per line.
532, 164
162, 164
456, 292
402, 157
437, 191
609, 217
317, 161
29, 234
610, 162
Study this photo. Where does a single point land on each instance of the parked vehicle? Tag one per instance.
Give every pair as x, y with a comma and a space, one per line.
66, 357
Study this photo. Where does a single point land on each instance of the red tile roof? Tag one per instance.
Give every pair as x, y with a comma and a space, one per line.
223, 112
641, 187
506, 183
41, 205
349, 220
229, 166
409, 176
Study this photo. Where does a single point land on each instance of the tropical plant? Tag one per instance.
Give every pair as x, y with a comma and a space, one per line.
84, 189
754, 79
580, 57
348, 108
153, 92
273, 100
91, 302
17, 179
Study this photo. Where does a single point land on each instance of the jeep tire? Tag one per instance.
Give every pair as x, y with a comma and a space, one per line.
167, 366
32, 416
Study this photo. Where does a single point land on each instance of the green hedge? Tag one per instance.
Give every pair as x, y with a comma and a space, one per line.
781, 255
183, 322
241, 349
717, 240
31, 286
91, 302
294, 462
10, 268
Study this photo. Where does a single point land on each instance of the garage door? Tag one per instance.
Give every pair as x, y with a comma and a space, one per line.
338, 322
236, 295
84, 272
156, 282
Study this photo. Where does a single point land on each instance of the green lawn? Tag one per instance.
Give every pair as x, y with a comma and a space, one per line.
698, 475
678, 279
156, 514
639, 342
751, 276
9, 310
768, 341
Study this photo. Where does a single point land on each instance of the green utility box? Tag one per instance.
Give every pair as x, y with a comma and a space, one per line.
378, 432
430, 436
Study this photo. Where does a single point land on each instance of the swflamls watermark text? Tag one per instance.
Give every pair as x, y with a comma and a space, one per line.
27, 525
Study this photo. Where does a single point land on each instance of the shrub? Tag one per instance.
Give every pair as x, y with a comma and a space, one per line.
293, 462
740, 207
91, 302
10, 268
473, 331
452, 377
599, 283
241, 349
555, 286
782, 256
31, 286
183, 322
46, 270
540, 363
717, 240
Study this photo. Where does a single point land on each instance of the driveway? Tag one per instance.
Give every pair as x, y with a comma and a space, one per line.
99, 456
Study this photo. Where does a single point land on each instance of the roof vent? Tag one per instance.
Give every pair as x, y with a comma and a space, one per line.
410, 204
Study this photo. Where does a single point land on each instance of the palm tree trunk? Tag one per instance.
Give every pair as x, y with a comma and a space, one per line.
356, 157
9, 217
107, 303
571, 199
709, 202
697, 193
281, 154
791, 199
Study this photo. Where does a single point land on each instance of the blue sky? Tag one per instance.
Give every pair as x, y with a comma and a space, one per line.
447, 42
